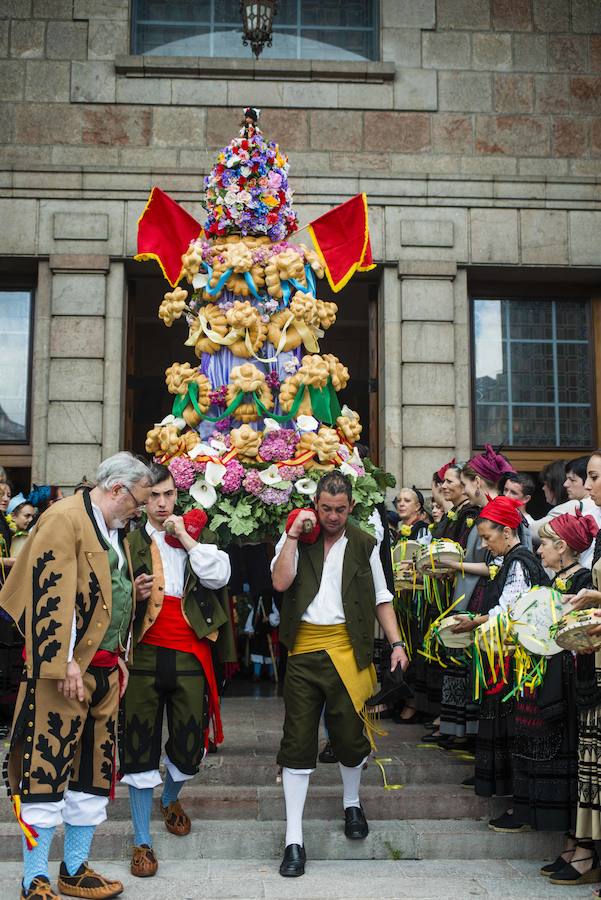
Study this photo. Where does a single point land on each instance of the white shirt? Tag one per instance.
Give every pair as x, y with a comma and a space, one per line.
211, 565
327, 608
111, 535
588, 508
515, 585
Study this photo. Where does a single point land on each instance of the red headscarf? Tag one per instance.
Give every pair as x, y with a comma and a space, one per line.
443, 469
490, 465
504, 510
577, 531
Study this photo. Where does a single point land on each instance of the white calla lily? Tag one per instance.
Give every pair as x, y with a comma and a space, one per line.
271, 476
200, 450
168, 420
219, 446
355, 458
347, 469
214, 473
204, 494
305, 486
270, 425
348, 412
200, 280
307, 423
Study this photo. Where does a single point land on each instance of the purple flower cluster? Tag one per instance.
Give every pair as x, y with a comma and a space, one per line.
293, 473
252, 484
273, 379
184, 472
279, 445
232, 480
274, 496
218, 396
247, 190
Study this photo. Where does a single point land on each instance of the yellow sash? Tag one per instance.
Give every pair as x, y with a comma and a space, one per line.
359, 683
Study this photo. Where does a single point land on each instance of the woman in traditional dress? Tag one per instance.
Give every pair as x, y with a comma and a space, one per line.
585, 865
498, 527
480, 478
413, 526
454, 526
545, 759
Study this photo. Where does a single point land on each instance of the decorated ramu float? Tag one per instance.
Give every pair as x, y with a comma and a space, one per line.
258, 411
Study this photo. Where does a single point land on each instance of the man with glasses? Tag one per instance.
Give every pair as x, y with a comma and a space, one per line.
70, 594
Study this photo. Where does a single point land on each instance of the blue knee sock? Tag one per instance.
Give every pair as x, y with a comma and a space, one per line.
78, 840
171, 790
140, 800
35, 861
256, 669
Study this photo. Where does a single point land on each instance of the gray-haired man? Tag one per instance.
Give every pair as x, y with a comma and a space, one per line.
70, 594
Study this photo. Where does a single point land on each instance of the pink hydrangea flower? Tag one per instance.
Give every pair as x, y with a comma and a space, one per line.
292, 473
232, 480
279, 445
273, 496
252, 484
183, 471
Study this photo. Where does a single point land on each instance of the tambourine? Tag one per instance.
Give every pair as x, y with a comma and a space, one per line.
571, 632
432, 559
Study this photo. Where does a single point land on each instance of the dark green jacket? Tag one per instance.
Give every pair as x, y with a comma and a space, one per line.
358, 592
206, 610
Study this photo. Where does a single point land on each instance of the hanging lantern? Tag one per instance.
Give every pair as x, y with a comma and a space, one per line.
257, 22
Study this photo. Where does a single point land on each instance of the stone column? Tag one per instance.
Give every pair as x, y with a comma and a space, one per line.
84, 385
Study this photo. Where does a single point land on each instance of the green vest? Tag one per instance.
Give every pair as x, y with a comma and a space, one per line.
358, 592
115, 637
206, 610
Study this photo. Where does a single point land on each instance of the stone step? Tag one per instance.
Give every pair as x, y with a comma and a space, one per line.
323, 802
324, 840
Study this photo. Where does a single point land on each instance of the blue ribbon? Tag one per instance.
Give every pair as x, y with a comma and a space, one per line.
285, 292
251, 284
211, 291
310, 276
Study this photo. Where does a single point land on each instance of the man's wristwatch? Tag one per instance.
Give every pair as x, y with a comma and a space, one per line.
399, 644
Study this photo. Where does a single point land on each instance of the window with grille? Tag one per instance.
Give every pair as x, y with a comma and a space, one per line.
303, 29
533, 373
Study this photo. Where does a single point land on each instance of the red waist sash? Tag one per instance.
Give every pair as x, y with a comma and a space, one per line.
173, 632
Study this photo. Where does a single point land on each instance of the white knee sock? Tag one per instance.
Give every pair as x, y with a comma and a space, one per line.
295, 785
351, 779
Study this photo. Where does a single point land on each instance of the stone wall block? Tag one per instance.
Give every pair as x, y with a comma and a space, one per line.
420, 462
75, 379
186, 91
66, 463
568, 53
107, 40
336, 130
427, 255
427, 340
551, 15
93, 82
494, 235
409, 13
402, 45
462, 14
453, 133
427, 299
151, 91
18, 234
429, 425
595, 52
552, 93
464, 91
352, 96
97, 222
514, 93
530, 52
491, 51
78, 294
445, 50
181, 127
265, 93
429, 384
397, 131
66, 40
27, 38
596, 137
116, 10
512, 135
116, 126
4, 36
544, 235
569, 137
585, 227
72, 336
586, 16
12, 79
52, 9
415, 89
512, 15
77, 422
426, 234
47, 82
585, 93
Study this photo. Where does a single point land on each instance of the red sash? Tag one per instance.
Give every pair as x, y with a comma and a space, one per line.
173, 632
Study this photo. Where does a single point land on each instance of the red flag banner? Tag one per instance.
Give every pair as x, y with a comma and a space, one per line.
341, 237
165, 230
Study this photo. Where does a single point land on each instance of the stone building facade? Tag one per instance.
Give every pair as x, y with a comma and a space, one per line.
476, 136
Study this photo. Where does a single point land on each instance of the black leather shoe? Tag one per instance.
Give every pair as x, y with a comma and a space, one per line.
327, 755
355, 823
294, 860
